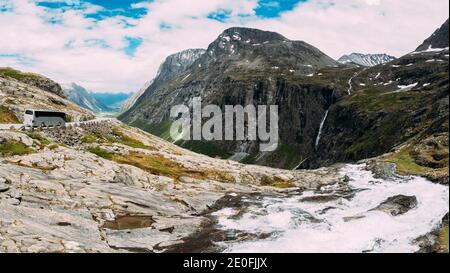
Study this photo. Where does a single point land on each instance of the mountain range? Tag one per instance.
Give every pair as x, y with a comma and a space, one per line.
329, 112
104, 186
95, 102
366, 59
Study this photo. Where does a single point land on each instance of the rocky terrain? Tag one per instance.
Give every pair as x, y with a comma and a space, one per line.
20, 91
401, 106
439, 39
366, 144
367, 60
108, 187
247, 66
329, 112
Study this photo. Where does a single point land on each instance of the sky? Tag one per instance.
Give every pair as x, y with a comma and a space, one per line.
118, 45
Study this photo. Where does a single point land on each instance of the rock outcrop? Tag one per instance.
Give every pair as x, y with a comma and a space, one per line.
18, 94
397, 205
119, 190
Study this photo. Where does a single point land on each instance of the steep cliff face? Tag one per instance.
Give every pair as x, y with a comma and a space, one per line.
328, 112
173, 66
402, 105
439, 39
133, 98
250, 67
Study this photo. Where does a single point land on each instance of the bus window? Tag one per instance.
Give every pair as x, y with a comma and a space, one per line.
29, 112
50, 114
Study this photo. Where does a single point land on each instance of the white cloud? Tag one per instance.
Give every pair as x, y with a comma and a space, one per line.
62, 51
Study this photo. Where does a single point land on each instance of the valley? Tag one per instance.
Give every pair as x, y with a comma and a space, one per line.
362, 142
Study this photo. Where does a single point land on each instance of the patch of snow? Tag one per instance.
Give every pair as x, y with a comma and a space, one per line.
430, 49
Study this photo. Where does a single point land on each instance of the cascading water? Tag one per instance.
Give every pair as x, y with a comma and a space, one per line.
328, 220
321, 128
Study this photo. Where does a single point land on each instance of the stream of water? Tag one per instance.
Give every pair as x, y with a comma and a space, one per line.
311, 221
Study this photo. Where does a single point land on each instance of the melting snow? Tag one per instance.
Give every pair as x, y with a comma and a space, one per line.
430, 49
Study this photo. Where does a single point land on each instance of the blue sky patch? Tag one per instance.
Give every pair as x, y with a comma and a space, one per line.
133, 44
274, 8
111, 8
18, 58
220, 15
115, 4
6, 7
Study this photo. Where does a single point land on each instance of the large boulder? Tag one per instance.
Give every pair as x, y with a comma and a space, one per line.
397, 205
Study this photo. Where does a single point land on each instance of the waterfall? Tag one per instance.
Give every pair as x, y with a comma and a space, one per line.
299, 164
350, 87
321, 128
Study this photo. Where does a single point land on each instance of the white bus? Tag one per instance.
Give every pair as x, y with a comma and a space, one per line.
44, 118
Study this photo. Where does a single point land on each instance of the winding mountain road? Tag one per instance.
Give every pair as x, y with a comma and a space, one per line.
15, 126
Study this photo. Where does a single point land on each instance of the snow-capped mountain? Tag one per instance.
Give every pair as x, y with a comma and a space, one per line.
366, 59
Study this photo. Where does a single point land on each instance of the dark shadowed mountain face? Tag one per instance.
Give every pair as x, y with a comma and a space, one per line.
439, 39
247, 66
328, 112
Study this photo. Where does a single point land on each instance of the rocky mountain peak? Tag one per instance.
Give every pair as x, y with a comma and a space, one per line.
366, 59
255, 35
255, 50
177, 63
439, 39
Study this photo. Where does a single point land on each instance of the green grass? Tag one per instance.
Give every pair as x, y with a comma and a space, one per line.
120, 137
11, 148
68, 118
288, 155
12, 73
405, 163
444, 238
37, 136
206, 148
161, 130
7, 116
276, 182
375, 100
101, 152
159, 165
